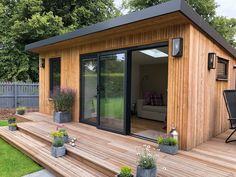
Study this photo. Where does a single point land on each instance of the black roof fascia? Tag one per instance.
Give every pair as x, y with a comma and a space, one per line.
202, 24
151, 12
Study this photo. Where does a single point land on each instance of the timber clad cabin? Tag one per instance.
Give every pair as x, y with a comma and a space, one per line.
143, 73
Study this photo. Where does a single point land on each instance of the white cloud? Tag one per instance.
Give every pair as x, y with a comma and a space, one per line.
226, 8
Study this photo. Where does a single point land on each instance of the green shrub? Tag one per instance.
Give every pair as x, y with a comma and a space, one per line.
58, 142
63, 130
146, 157
11, 120
57, 138
125, 172
167, 140
57, 134
63, 101
21, 109
12, 125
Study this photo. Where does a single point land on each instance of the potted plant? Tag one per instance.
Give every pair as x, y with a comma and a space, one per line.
65, 135
58, 149
125, 172
11, 120
20, 110
63, 102
168, 144
12, 127
146, 162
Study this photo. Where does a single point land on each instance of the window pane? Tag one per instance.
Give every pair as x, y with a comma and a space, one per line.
112, 71
222, 69
55, 75
89, 90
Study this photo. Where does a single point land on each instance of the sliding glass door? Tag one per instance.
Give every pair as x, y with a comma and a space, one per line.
103, 91
89, 90
112, 91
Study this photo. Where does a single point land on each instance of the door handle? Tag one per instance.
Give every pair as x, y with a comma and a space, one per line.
98, 90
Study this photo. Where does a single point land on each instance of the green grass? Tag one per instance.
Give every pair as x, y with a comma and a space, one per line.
3, 123
13, 163
111, 107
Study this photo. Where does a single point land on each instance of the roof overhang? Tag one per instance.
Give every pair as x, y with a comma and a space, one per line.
151, 12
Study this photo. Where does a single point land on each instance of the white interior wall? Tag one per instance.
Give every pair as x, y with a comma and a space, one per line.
148, 74
135, 82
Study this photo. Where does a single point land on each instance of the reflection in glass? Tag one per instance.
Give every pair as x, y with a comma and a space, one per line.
55, 75
112, 91
89, 85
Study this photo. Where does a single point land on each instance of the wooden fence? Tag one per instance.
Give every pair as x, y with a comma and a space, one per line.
16, 94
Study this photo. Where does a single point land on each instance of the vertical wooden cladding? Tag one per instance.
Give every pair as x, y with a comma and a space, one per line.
207, 116
195, 101
70, 73
69, 78
177, 69
178, 86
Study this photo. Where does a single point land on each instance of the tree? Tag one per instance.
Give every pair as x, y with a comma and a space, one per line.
205, 8
26, 21
226, 27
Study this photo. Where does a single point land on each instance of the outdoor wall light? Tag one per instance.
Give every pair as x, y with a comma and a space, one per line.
42, 62
177, 47
211, 61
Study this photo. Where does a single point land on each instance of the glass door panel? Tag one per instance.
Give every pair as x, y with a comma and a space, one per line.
89, 90
111, 91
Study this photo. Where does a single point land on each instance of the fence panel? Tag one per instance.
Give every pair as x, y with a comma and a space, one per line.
17, 94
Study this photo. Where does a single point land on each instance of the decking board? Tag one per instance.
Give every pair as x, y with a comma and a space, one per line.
64, 166
106, 152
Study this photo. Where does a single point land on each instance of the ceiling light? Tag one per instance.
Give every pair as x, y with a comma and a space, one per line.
154, 53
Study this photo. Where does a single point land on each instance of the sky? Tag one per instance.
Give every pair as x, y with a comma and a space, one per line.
226, 7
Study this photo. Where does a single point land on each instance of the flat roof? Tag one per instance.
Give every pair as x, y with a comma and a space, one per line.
151, 12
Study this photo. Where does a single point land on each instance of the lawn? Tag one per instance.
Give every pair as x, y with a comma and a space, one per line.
13, 163
111, 107
3, 123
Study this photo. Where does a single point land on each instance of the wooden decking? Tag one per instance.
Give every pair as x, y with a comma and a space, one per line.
101, 153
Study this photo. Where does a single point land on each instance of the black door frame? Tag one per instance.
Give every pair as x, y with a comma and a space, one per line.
127, 83
124, 87
81, 119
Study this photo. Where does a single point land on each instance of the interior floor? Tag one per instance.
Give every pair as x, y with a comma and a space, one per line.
149, 83
147, 128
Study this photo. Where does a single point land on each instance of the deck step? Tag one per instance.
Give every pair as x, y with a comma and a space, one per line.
80, 155
40, 152
217, 159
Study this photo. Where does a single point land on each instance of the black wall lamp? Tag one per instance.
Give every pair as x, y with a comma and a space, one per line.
212, 61
177, 47
42, 62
